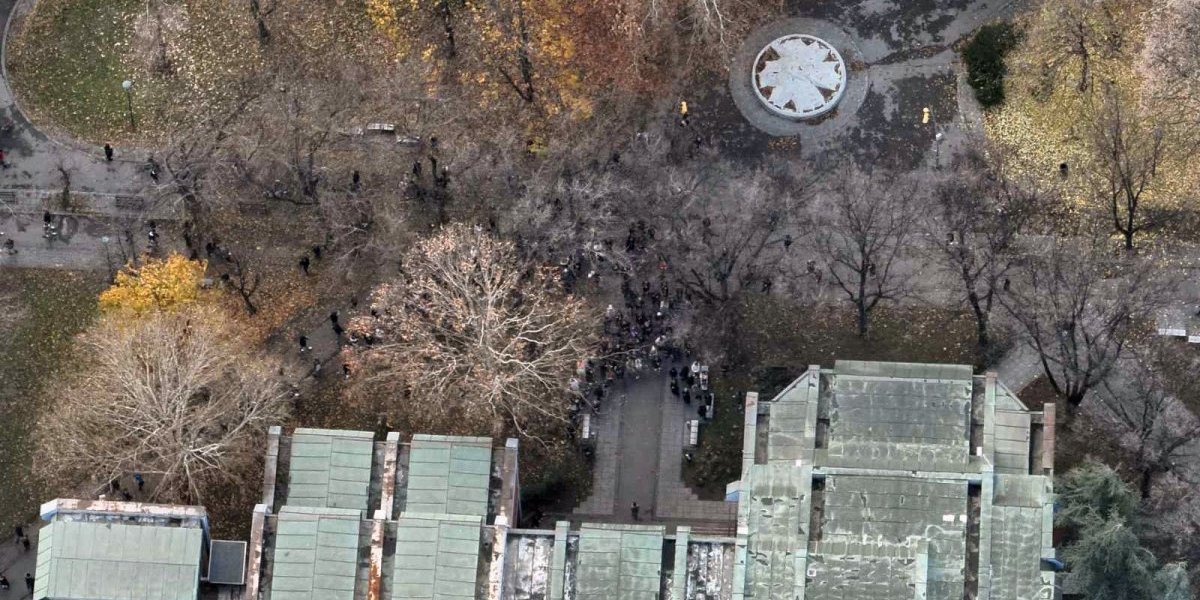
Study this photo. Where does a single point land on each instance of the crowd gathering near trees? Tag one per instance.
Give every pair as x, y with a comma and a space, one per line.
538, 166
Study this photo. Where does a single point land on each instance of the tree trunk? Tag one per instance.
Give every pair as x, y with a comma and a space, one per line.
448, 26
982, 339
1147, 476
863, 323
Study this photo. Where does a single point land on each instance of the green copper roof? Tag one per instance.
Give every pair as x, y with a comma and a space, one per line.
316, 554
437, 557
111, 561
449, 475
330, 468
619, 562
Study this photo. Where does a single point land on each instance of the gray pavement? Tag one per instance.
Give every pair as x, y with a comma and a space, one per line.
641, 427
36, 161
15, 562
639, 458
38, 170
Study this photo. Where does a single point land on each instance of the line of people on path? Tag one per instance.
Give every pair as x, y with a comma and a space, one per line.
22, 539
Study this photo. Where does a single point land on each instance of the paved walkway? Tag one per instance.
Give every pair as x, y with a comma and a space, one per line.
36, 159
15, 562
38, 168
639, 458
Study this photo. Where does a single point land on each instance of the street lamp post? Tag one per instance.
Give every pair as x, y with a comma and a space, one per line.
127, 85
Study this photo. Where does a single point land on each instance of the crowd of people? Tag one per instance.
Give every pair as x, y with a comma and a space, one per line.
640, 337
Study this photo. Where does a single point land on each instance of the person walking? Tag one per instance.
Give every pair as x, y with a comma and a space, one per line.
633, 510
3, 163
304, 264
20, 531
141, 481
25, 542
304, 347
29, 582
108, 152
3, 583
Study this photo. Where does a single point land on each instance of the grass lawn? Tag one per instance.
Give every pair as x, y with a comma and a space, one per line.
777, 341
65, 65
50, 308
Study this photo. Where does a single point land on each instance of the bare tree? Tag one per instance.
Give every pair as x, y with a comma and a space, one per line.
723, 232
869, 218
259, 14
1078, 30
1077, 318
471, 340
1130, 147
175, 395
1171, 58
1150, 419
973, 225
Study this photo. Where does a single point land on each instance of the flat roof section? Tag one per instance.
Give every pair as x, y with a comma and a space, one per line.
437, 557
780, 502
330, 469
117, 561
881, 524
899, 423
619, 562
449, 475
316, 554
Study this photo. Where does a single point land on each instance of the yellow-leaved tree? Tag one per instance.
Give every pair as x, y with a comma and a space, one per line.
158, 284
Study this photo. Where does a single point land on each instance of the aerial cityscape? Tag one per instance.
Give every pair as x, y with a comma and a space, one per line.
599, 299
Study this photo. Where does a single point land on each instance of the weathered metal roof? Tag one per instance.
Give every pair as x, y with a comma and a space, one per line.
437, 557
316, 554
899, 423
865, 491
330, 468
619, 562
900, 370
778, 523
116, 560
871, 518
449, 475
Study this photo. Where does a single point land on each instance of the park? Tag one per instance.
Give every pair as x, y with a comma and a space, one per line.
595, 226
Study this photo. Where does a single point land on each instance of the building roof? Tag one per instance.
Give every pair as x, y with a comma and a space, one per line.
866, 488
316, 554
918, 418
619, 562
437, 557
330, 469
117, 560
777, 510
449, 475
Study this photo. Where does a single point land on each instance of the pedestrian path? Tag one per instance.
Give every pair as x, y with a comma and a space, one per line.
16, 561
639, 458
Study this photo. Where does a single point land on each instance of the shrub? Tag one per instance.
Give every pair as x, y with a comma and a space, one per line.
984, 56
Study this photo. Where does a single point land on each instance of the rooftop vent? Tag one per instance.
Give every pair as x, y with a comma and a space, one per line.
227, 562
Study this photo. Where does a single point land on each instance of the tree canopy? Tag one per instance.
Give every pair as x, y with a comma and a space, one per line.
471, 340
175, 395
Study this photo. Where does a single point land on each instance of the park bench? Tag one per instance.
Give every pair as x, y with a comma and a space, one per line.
381, 127
130, 203
8, 197
693, 432
256, 209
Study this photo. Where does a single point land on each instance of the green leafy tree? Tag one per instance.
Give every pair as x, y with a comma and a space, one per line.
1173, 583
1109, 563
1094, 493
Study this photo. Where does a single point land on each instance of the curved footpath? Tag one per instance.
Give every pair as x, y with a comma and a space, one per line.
34, 158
